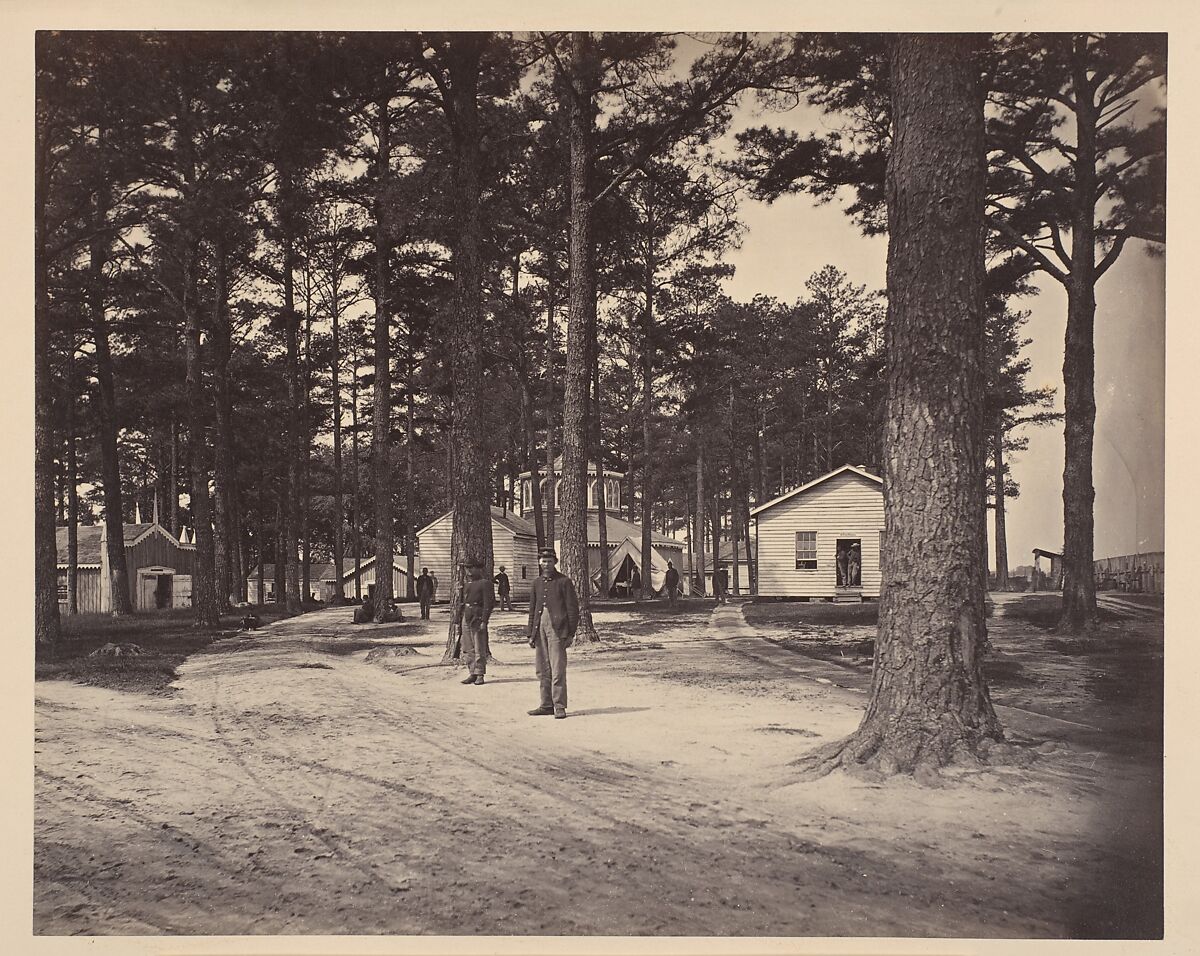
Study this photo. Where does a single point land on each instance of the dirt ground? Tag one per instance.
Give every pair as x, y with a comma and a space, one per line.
322, 778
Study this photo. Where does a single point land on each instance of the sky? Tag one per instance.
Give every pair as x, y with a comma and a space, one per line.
789, 240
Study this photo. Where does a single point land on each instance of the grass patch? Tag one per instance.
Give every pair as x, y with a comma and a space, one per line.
166, 638
811, 612
1044, 610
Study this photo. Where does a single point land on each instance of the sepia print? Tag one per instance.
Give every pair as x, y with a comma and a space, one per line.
621, 484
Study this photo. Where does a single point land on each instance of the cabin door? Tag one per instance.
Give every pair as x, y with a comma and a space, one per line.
849, 562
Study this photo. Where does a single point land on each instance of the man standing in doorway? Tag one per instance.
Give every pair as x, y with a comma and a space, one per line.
553, 618
477, 603
425, 592
672, 583
503, 590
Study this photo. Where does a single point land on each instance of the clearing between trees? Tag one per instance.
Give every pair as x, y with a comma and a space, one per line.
312, 779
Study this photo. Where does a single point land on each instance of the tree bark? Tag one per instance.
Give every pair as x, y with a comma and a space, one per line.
647, 370
355, 481
173, 490
1079, 372
291, 514
531, 465
72, 480
106, 413
601, 504
410, 477
381, 440
700, 532
46, 623
227, 546
306, 436
551, 474
472, 533
929, 702
204, 591
339, 505
581, 111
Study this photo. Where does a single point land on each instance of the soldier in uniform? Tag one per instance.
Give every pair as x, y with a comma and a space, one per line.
672, 583
477, 603
553, 618
503, 590
425, 592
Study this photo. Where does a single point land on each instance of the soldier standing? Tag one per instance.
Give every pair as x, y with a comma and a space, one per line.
477, 603
553, 618
672, 583
425, 592
503, 590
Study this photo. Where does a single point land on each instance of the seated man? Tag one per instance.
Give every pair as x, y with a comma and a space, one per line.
365, 612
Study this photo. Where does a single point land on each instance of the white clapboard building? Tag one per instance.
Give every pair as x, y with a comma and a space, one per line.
822, 540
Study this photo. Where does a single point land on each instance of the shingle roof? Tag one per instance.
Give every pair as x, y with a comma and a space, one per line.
89, 540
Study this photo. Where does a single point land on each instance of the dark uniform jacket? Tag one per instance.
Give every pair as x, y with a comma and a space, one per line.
502, 585
424, 586
672, 581
479, 597
556, 594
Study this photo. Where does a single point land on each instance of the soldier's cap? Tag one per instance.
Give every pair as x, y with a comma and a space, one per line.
549, 554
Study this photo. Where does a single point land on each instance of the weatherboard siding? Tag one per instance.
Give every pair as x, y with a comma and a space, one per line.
845, 506
509, 548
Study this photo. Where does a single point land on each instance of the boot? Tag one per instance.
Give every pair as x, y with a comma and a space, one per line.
542, 711
469, 679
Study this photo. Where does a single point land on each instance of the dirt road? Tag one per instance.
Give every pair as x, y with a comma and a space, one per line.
290, 786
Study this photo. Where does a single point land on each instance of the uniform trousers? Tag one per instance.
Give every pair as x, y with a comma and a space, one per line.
550, 662
475, 639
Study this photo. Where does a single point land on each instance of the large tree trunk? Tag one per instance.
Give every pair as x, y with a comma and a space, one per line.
106, 413
46, 621
339, 505
173, 490
72, 480
531, 465
551, 474
699, 533
1079, 374
204, 591
291, 515
597, 420
306, 436
999, 482
647, 370
472, 534
929, 701
355, 479
227, 546
410, 477
582, 304
381, 440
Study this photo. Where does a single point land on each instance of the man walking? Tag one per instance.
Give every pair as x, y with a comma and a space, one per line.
425, 592
553, 618
477, 603
672, 583
503, 590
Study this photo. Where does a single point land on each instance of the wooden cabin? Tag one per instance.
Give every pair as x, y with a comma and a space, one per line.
317, 573
822, 540
1047, 578
1141, 573
514, 545
725, 570
366, 579
160, 568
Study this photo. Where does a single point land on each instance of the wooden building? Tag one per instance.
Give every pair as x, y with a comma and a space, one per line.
624, 538
366, 573
822, 540
317, 573
159, 566
1140, 573
1050, 577
514, 545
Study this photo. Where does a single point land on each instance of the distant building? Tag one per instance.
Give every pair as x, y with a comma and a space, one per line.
514, 545
366, 583
160, 568
624, 538
1048, 577
823, 539
316, 573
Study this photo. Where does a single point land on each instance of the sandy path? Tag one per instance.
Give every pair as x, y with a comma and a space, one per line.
291, 787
